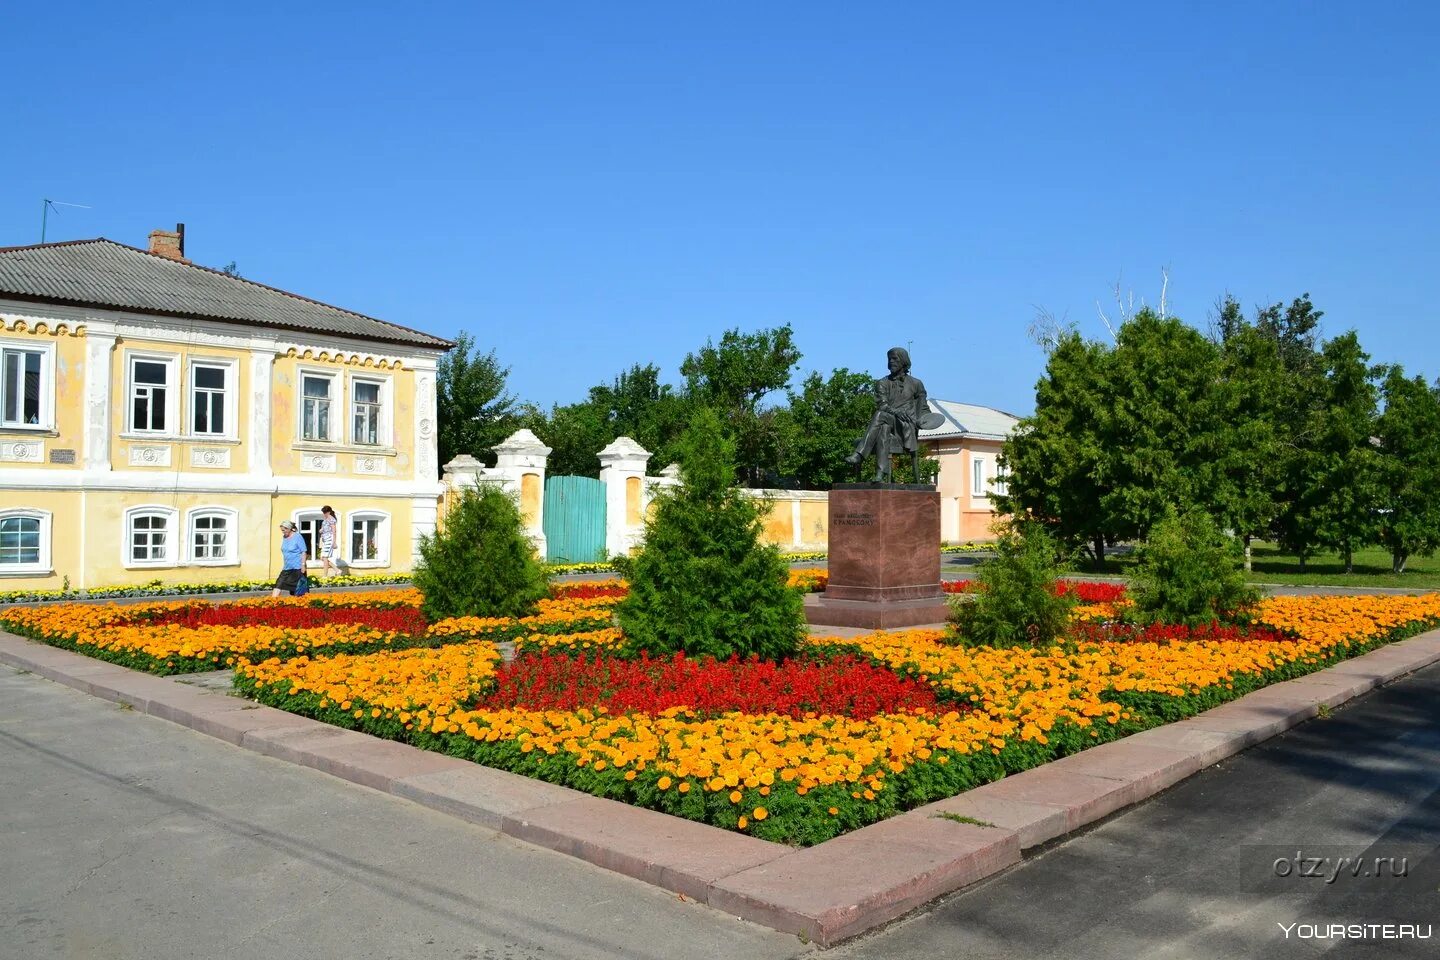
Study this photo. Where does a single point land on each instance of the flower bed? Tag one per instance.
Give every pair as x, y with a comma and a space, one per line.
159, 588
843, 685
186, 636
784, 773
852, 731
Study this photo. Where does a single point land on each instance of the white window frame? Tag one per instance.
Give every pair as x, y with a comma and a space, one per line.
382, 538
382, 430
46, 418
173, 532
232, 536
985, 477
173, 388
337, 403
42, 566
302, 517
229, 404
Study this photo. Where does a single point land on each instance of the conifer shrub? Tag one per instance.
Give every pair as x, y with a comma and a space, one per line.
480, 563
1017, 603
1188, 571
703, 583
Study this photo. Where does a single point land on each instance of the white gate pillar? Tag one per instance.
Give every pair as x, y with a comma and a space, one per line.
622, 470
521, 460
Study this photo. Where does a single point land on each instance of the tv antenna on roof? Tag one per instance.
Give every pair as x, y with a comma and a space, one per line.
47, 205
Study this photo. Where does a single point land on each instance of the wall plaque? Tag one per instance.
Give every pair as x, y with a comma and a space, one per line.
62, 456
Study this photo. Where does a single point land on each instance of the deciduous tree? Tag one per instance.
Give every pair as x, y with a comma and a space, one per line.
734, 377
1408, 432
474, 411
1057, 462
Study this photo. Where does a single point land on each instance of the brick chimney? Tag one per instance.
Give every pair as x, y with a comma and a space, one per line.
169, 243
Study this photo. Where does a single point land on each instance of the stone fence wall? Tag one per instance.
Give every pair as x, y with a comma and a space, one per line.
794, 520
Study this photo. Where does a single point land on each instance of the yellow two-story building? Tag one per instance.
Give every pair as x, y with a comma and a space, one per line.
158, 420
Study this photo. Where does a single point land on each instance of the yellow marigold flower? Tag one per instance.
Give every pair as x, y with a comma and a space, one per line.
760, 813
663, 783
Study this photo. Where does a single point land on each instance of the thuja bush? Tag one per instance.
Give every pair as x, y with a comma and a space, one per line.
704, 583
479, 563
1188, 572
1016, 602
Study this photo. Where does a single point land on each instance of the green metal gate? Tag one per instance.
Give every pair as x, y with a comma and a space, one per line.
574, 519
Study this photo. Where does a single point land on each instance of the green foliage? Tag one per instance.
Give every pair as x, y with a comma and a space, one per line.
635, 405
1332, 477
1056, 461
473, 411
1017, 604
575, 434
733, 378
1163, 422
480, 563
703, 583
1251, 448
820, 428
1409, 436
1188, 572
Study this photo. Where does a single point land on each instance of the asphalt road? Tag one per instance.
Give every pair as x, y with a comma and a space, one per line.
124, 836
1193, 873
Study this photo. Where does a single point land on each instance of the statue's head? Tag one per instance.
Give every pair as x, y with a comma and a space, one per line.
898, 360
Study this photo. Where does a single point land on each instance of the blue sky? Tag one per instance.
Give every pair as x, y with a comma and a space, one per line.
584, 186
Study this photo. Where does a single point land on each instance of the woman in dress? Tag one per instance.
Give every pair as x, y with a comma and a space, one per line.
327, 542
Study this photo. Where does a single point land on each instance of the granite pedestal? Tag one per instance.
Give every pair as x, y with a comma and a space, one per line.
884, 558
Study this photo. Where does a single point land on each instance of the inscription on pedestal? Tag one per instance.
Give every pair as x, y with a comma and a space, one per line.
884, 563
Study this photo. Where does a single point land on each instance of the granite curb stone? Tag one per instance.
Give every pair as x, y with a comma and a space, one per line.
479, 794
676, 854
870, 876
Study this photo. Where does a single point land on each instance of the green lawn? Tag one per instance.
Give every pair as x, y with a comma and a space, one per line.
1372, 569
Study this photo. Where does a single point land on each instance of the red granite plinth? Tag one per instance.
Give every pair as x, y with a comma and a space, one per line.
884, 558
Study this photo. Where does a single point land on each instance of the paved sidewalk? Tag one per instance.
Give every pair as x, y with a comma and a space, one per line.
126, 837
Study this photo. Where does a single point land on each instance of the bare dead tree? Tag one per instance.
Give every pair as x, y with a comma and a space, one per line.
1046, 329
1125, 302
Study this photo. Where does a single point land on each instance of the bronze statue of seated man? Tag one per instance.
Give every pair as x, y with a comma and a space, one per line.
901, 412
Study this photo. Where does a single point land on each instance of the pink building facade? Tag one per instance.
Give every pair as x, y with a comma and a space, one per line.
967, 447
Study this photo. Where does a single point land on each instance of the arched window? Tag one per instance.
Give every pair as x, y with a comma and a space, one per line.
24, 542
307, 522
151, 536
368, 538
212, 535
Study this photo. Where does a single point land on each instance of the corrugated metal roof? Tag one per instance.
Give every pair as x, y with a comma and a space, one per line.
970, 420
104, 273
